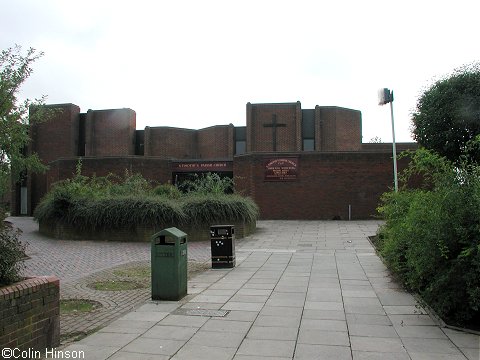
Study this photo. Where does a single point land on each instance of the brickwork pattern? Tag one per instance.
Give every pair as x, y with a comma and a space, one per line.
348, 132
30, 317
110, 132
58, 135
327, 184
170, 142
339, 129
260, 137
113, 304
80, 263
215, 142
141, 233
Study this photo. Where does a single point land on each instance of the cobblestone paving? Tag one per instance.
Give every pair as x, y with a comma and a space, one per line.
80, 263
71, 259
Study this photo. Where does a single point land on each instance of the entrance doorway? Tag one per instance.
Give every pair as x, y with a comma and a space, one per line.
188, 181
186, 172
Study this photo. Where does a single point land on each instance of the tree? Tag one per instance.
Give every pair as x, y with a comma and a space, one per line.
15, 68
447, 114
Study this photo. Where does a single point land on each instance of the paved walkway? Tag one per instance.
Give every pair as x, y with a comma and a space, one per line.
81, 263
71, 260
301, 290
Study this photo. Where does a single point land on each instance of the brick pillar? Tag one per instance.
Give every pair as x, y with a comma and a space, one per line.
318, 129
249, 128
231, 140
298, 126
89, 134
146, 142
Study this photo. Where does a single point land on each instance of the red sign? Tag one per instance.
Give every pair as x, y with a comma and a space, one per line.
281, 169
191, 166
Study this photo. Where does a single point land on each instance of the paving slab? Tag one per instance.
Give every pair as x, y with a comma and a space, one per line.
170, 332
200, 352
270, 348
300, 290
152, 346
219, 338
322, 352
272, 333
323, 337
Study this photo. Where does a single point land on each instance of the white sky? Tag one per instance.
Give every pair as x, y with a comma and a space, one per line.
197, 63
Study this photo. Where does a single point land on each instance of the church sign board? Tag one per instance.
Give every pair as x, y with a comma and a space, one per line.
281, 169
193, 166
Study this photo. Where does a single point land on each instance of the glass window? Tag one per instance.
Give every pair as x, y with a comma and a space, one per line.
308, 144
240, 147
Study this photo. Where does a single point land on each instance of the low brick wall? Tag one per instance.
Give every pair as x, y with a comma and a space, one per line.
30, 314
140, 233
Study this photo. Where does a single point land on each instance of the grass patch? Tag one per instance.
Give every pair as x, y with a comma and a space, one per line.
136, 272
77, 306
116, 285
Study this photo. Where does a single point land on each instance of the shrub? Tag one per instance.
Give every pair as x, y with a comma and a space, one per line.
167, 190
12, 252
208, 209
210, 183
93, 203
108, 212
431, 236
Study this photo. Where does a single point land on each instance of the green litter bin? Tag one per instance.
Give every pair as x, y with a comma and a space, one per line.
169, 264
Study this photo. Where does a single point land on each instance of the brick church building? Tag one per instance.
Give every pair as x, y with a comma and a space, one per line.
295, 163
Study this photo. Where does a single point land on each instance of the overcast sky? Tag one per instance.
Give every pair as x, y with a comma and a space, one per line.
197, 63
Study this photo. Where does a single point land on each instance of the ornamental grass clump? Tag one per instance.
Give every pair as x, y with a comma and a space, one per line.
90, 203
123, 211
209, 209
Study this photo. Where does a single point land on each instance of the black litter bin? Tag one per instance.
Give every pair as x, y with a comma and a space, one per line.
223, 246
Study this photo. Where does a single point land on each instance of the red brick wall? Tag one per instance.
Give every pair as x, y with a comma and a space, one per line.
260, 138
170, 142
327, 184
51, 139
58, 135
208, 143
30, 316
215, 142
110, 132
142, 232
340, 129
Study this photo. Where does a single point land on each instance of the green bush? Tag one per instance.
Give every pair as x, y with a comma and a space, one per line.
208, 209
111, 202
208, 184
431, 236
167, 190
12, 253
122, 211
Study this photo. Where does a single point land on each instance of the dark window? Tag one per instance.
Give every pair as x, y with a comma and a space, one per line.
139, 142
240, 147
308, 144
81, 135
308, 129
240, 140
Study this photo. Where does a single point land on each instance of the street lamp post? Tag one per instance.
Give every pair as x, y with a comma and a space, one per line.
385, 96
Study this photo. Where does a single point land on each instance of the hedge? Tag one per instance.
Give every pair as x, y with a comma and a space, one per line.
431, 236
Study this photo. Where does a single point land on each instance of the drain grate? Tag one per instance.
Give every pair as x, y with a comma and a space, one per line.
201, 312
